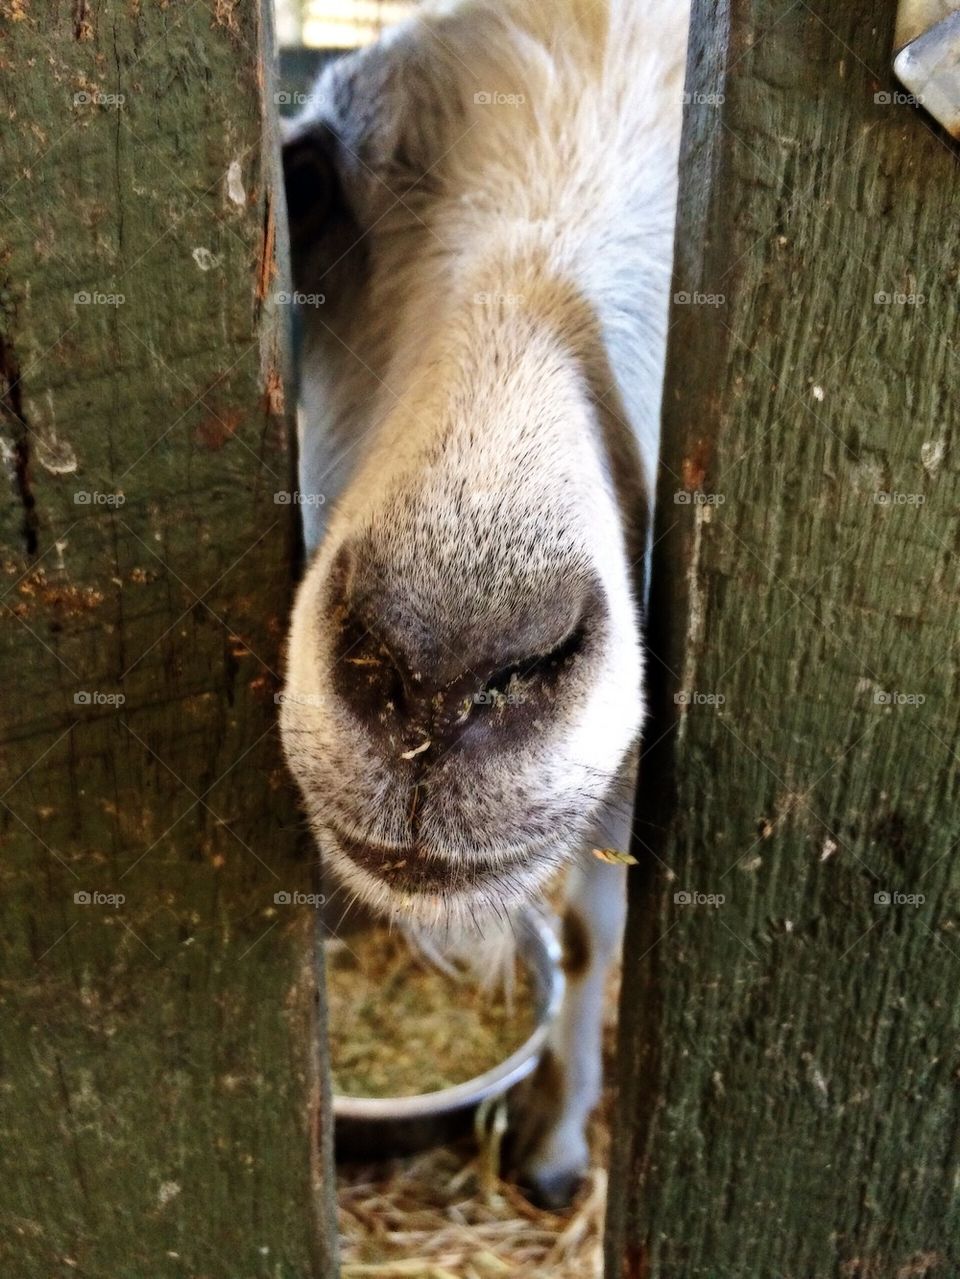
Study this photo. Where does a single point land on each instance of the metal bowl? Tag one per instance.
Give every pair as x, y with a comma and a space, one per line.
367, 1127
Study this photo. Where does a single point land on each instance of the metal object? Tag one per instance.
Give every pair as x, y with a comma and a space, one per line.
927, 62
368, 1126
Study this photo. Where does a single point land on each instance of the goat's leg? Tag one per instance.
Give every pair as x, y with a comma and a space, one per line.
550, 1111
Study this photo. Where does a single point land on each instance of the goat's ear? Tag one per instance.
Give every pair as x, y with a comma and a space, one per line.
310, 181
379, 118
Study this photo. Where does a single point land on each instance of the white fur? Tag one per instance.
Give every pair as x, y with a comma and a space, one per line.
484, 410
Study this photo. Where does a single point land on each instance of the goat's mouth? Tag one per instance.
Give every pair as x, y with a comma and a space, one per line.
421, 873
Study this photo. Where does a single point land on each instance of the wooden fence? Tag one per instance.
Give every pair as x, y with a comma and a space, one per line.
788, 1066
160, 1096
789, 1105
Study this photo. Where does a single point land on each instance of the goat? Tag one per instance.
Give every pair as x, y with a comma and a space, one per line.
481, 208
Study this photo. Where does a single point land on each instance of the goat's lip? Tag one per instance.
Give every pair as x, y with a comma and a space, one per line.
416, 870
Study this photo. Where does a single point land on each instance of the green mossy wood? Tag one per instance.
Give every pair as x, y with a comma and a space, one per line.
789, 1103
159, 1097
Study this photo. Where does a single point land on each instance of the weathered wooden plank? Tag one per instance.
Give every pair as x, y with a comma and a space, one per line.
159, 1062
789, 1058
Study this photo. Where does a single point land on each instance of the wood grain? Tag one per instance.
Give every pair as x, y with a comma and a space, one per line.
789, 1058
160, 1100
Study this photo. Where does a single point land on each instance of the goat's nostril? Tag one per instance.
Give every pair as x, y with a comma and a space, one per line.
365, 673
412, 675
540, 670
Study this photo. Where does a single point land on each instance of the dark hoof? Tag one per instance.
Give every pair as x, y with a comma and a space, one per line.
551, 1191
